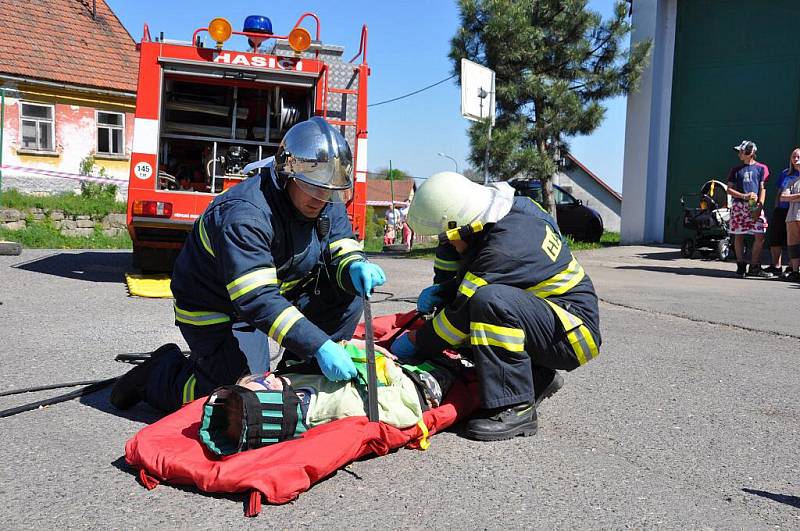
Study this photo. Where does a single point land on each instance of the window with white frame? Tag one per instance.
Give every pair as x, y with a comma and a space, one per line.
110, 133
38, 127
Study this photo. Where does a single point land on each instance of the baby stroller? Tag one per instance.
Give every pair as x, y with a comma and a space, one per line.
709, 221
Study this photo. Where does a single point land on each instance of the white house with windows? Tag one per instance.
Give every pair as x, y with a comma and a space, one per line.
68, 91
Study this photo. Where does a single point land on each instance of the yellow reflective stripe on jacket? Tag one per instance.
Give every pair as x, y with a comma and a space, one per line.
511, 339
578, 334
583, 344
445, 265
204, 237
445, 329
188, 389
200, 318
470, 284
343, 247
283, 323
340, 268
561, 282
252, 280
289, 284
540, 206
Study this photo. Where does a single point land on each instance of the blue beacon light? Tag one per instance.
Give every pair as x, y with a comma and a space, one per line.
257, 24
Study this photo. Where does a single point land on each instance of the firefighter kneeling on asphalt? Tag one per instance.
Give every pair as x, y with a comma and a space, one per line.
273, 256
511, 298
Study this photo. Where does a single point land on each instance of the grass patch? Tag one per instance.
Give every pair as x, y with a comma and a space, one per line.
70, 203
609, 239
422, 250
373, 245
44, 235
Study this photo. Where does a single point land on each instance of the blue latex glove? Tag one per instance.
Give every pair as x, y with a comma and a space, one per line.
429, 298
366, 277
403, 348
335, 362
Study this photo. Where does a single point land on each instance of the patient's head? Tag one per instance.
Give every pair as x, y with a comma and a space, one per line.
233, 416
233, 405
260, 409
257, 411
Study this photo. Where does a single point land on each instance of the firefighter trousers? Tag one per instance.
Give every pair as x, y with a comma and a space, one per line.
516, 342
219, 354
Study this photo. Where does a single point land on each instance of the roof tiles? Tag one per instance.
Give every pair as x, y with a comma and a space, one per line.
57, 40
379, 190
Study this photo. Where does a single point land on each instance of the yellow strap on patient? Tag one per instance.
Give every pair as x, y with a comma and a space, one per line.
424, 443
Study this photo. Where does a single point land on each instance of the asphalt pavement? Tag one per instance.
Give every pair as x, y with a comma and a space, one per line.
688, 419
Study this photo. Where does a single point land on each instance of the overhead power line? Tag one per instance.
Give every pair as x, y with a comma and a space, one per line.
412, 93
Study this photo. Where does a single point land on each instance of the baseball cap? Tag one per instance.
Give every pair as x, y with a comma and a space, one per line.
747, 147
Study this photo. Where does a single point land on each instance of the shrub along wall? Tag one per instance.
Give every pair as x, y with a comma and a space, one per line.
68, 225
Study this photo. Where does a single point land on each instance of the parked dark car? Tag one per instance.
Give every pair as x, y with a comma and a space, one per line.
574, 218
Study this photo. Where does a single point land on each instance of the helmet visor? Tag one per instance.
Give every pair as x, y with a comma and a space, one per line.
325, 194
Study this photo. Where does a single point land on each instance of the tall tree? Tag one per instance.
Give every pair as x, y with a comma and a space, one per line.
555, 61
383, 174
473, 175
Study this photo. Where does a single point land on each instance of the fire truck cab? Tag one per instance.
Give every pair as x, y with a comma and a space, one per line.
204, 111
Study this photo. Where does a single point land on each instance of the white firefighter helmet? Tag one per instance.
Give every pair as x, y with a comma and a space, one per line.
318, 158
448, 200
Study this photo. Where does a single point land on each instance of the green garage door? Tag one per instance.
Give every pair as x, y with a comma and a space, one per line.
736, 75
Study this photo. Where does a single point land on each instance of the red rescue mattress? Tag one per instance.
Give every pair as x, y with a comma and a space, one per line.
169, 449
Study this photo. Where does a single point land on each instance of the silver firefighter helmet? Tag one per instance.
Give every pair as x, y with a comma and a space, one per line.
317, 157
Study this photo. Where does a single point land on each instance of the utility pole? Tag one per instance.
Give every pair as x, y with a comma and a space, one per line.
482, 94
391, 190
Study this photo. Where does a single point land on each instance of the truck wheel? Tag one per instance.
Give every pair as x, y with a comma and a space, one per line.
594, 232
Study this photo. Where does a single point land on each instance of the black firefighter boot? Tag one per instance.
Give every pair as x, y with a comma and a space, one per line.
129, 388
503, 423
548, 380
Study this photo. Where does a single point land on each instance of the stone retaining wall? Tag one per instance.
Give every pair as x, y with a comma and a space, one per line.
42, 185
83, 225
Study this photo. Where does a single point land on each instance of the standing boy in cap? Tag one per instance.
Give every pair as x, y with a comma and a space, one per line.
746, 186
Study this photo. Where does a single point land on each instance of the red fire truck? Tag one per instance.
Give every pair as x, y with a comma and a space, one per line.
204, 111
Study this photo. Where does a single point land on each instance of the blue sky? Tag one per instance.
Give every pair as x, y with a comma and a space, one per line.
407, 50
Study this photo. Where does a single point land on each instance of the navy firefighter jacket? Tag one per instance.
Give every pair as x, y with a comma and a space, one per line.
524, 249
251, 254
